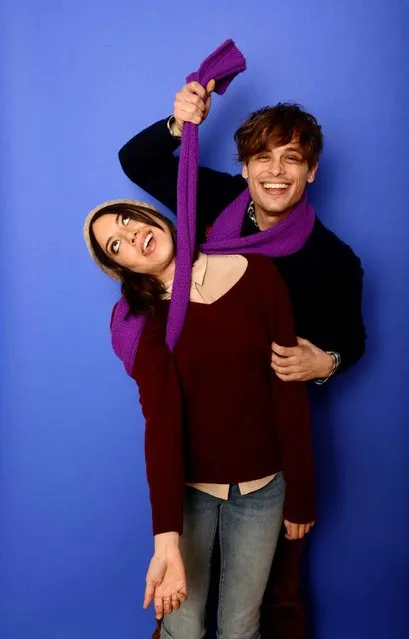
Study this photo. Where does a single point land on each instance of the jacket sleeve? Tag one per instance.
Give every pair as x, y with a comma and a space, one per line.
292, 418
149, 160
160, 397
339, 324
346, 335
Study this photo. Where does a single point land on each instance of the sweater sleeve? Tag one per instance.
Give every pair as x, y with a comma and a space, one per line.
160, 397
292, 418
149, 160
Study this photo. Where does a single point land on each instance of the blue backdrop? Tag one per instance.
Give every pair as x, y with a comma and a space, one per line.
78, 78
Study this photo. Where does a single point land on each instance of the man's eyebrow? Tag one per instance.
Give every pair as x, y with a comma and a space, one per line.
109, 240
291, 149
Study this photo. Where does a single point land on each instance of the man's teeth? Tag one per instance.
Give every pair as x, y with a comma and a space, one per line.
275, 186
147, 240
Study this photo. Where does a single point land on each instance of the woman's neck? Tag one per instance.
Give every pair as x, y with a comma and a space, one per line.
167, 274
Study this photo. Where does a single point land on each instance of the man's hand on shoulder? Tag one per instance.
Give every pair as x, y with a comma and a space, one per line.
192, 104
301, 363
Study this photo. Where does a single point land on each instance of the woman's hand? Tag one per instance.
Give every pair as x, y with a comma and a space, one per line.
166, 578
297, 531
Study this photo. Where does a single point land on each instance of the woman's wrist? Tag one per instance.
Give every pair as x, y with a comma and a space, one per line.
165, 541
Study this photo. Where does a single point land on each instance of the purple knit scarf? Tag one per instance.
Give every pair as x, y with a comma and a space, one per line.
285, 238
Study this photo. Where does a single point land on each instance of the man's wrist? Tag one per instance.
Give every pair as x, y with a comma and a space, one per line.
335, 362
330, 363
173, 127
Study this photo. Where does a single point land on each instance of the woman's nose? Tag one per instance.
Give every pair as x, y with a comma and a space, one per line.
132, 235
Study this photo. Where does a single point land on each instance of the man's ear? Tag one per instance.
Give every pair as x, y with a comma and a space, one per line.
311, 173
244, 171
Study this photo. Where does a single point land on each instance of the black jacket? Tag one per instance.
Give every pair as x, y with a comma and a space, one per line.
324, 278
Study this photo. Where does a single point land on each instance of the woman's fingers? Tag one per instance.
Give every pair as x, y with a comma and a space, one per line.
149, 593
158, 603
166, 582
297, 531
182, 595
167, 605
175, 602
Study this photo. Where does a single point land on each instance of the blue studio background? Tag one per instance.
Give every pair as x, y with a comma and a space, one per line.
78, 78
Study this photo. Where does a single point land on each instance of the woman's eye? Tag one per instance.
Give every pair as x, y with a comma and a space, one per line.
115, 247
125, 221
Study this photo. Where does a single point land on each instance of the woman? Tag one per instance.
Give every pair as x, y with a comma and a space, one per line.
223, 433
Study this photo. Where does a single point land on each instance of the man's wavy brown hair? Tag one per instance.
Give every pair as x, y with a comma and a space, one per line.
277, 126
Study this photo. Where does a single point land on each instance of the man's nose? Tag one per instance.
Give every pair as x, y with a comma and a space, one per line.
276, 166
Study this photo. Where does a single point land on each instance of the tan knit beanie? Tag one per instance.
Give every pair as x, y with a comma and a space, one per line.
87, 224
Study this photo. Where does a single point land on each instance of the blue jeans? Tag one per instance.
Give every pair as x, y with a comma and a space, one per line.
249, 526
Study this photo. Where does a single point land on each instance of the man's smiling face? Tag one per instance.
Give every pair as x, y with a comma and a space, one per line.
277, 177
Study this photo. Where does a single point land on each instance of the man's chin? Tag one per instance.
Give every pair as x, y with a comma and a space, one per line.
275, 209
276, 212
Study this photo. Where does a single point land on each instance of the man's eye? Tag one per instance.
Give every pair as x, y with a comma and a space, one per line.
262, 157
293, 158
125, 220
115, 247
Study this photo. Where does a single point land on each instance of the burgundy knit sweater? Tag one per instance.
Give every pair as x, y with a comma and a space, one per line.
215, 410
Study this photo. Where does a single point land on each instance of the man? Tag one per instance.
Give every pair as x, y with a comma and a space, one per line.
279, 149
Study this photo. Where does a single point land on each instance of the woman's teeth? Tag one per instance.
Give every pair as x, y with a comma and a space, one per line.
147, 241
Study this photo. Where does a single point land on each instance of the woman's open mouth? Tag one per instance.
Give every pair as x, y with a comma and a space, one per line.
148, 243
